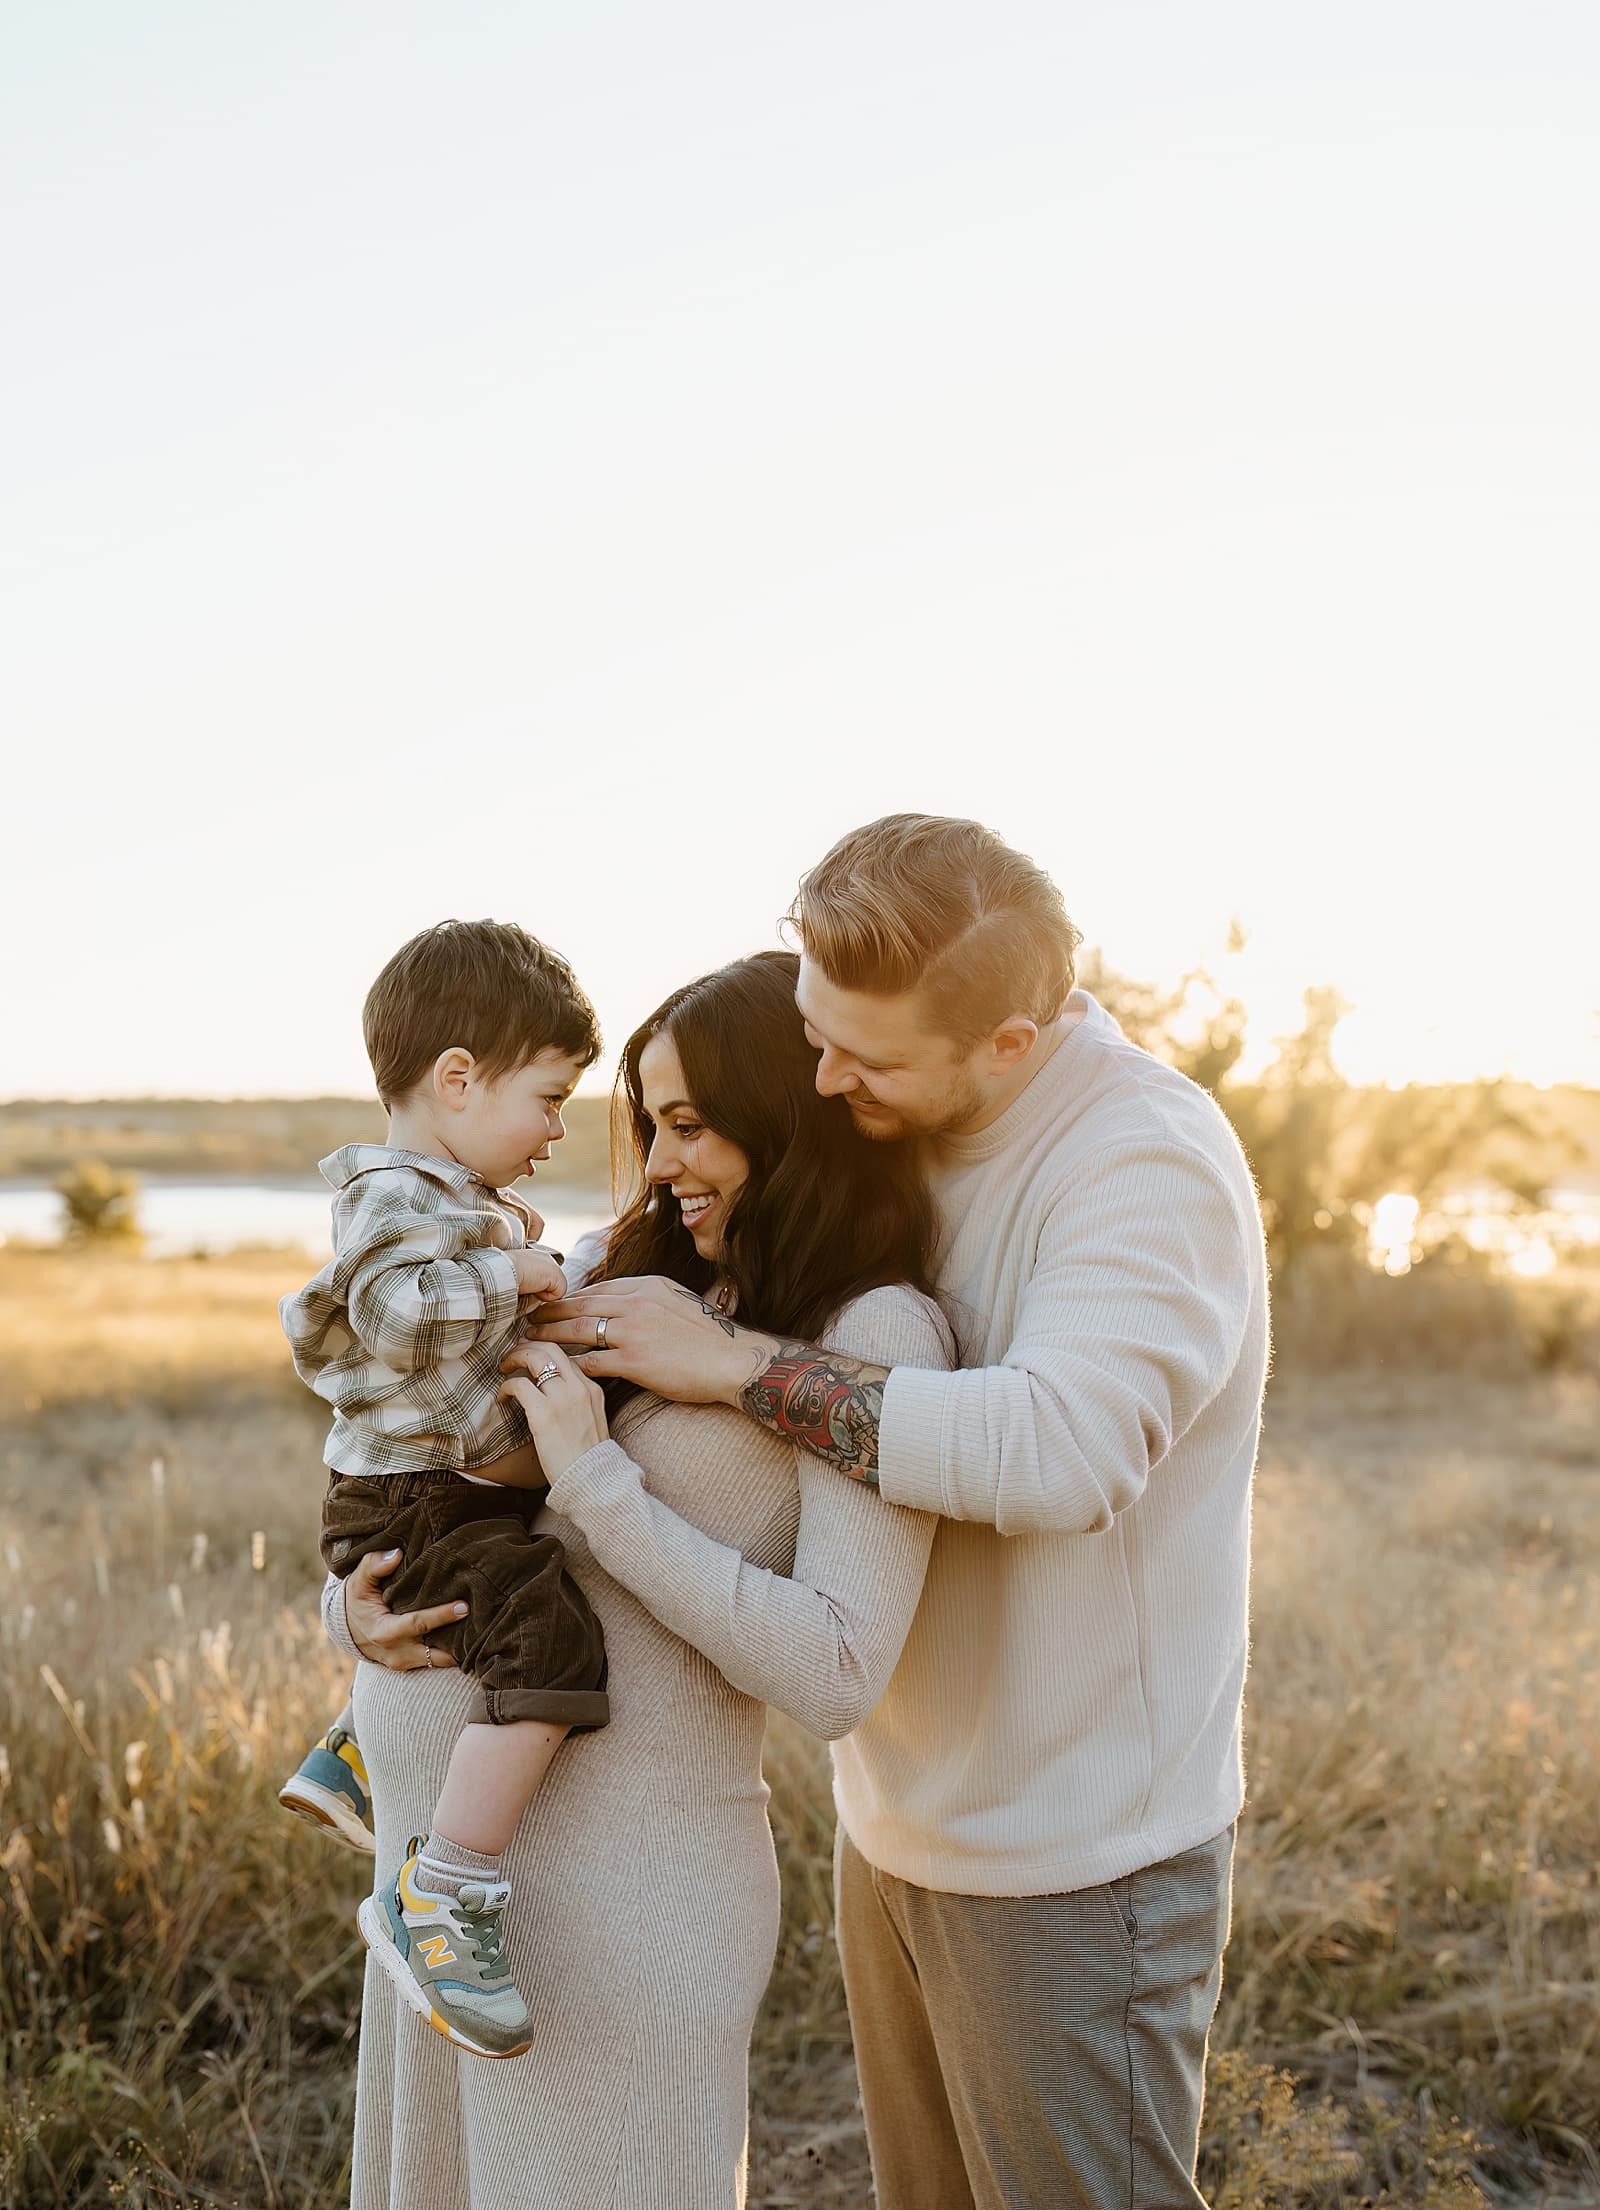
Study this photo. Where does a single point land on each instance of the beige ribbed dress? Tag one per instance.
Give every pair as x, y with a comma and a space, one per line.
645, 1904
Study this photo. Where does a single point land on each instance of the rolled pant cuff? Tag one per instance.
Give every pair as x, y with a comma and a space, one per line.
557, 1707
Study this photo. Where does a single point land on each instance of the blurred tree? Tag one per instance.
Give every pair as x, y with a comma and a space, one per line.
1324, 1152
100, 1205
1293, 1123
1196, 1027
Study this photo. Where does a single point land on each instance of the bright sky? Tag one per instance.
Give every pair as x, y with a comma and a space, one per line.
571, 463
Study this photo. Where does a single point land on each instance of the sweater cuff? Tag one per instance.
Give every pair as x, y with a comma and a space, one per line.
601, 1475
334, 1620
910, 1433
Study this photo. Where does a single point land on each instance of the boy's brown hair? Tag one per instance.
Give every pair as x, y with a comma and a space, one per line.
487, 986
922, 902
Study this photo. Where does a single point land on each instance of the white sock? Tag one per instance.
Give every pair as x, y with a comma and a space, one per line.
445, 1867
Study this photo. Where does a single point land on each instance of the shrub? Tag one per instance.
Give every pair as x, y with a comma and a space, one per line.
100, 1205
1455, 1309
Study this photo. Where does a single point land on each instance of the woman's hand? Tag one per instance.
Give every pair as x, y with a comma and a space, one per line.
566, 1414
392, 1638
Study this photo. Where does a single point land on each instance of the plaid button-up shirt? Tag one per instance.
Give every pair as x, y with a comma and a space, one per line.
403, 1331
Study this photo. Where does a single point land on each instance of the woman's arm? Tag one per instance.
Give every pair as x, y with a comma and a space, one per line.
334, 1623
822, 1641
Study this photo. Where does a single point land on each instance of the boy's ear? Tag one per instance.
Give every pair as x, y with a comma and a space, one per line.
452, 1077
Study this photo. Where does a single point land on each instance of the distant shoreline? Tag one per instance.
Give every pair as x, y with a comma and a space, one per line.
268, 1142
181, 1215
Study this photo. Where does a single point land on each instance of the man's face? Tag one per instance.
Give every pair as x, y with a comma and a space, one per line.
898, 1077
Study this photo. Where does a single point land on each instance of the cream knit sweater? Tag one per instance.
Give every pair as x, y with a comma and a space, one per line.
1067, 1705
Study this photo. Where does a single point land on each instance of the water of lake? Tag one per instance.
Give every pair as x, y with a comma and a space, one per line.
221, 1216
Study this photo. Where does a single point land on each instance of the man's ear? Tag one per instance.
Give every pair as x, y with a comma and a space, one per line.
452, 1077
1011, 1043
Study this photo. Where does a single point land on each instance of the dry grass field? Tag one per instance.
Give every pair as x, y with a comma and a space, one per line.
1417, 1928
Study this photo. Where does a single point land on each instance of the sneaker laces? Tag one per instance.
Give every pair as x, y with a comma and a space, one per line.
478, 1908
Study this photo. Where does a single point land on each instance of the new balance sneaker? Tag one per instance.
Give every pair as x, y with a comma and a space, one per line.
330, 1790
444, 1954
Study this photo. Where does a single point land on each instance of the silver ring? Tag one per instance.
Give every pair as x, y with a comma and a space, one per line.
545, 1373
600, 1327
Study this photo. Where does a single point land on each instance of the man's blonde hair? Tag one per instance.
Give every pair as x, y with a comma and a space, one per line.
920, 902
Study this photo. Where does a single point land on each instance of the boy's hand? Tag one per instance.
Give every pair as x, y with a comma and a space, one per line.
538, 1275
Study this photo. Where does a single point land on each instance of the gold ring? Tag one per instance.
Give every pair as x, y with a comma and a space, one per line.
545, 1373
600, 1327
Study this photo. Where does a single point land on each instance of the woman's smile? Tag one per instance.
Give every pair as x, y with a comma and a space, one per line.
682, 1142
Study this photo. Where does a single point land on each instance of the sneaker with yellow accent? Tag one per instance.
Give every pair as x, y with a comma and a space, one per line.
330, 1790
444, 1953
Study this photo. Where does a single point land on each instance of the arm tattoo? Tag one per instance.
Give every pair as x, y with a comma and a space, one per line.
829, 1403
712, 1313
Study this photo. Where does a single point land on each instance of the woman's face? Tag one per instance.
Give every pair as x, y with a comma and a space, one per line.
703, 1170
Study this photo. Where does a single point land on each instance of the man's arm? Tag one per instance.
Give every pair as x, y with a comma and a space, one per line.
830, 1403
1132, 1319
675, 1342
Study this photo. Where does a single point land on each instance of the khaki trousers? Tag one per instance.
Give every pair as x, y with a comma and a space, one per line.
1035, 2052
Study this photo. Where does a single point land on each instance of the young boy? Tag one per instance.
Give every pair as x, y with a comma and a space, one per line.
477, 1035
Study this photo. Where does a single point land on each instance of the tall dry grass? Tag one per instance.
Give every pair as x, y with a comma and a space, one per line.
1417, 1930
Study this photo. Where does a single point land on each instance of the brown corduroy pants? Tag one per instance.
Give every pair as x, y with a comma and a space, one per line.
529, 1641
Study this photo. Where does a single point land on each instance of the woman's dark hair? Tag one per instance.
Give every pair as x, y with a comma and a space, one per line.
824, 1215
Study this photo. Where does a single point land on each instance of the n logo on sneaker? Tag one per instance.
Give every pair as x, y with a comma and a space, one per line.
437, 1950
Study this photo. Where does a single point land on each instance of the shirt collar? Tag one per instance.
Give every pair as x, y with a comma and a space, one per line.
352, 1160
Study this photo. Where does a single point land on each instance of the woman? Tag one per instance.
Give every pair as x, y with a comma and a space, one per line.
727, 1571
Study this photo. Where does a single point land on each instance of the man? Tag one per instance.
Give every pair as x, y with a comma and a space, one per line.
1036, 1823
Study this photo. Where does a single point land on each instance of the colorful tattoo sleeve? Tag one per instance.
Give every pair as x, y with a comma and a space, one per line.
827, 1402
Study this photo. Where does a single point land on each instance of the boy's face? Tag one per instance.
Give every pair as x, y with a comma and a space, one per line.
507, 1124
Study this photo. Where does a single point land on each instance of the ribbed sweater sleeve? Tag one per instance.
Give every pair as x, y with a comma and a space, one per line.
334, 1623
1130, 1324
820, 1643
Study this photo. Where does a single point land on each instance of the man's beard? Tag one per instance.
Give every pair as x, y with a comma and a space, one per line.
878, 1127
962, 1102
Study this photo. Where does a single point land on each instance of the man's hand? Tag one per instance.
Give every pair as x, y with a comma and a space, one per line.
538, 1275
657, 1334
391, 1638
